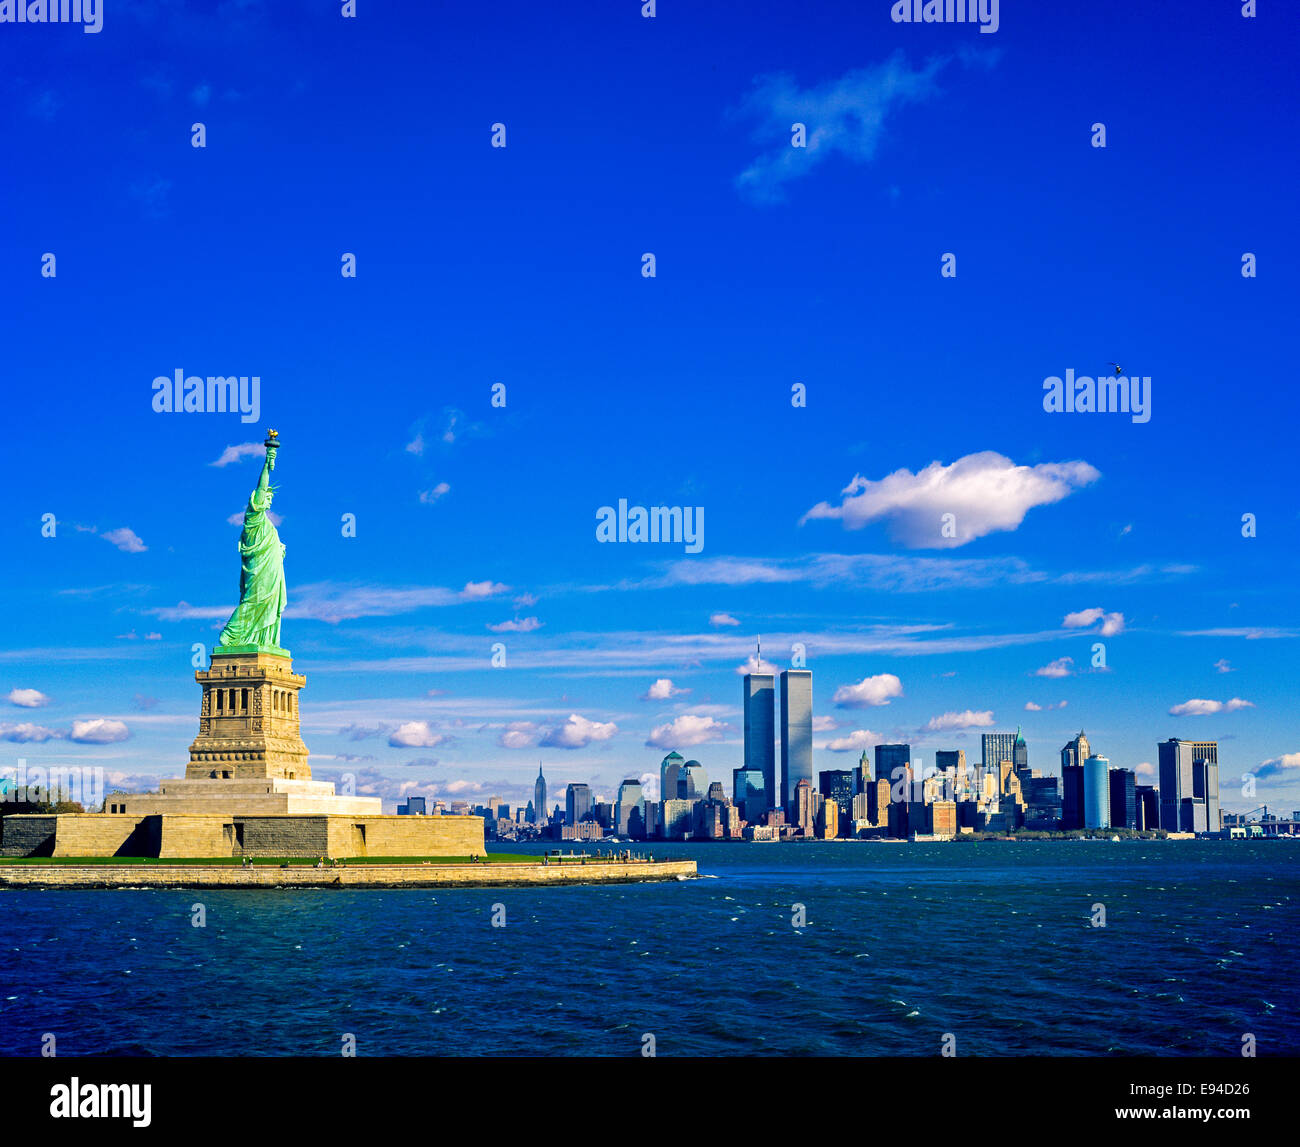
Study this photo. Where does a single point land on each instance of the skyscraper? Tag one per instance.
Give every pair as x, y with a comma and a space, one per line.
692, 781
838, 785
668, 768
539, 797
1189, 786
996, 748
864, 777
1123, 799
1076, 751
889, 760
796, 730
747, 792
1073, 756
804, 813
1096, 793
577, 803
629, 814
760, 730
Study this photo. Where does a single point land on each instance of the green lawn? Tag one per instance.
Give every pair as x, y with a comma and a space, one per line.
296, 861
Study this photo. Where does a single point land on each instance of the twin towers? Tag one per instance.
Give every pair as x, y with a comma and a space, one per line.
796, 732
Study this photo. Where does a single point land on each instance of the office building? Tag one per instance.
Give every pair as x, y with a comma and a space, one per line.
802, 806
864, 775
1096, 792
668, 770
760, 730
629, 814
838, 785
1189, 786
894, 764
951, 761
577, 803
692, 782
796, 730
1123, 799
747, 793
1073, 756
828, 820
1147, 802
996, 748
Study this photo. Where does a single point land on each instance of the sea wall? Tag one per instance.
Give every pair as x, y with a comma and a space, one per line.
351, 875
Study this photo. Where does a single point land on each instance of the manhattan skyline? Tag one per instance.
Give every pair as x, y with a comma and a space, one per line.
477, 524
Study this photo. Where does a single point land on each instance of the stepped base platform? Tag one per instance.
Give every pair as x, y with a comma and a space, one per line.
222, 833
264, 796
354, 874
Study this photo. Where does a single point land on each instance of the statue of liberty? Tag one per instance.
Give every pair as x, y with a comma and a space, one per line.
256, 620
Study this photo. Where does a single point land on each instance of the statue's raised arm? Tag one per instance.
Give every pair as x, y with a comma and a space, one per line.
255, 624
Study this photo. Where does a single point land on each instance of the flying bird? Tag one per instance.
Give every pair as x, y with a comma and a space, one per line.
1118, 369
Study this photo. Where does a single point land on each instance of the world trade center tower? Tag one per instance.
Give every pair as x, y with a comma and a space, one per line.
796, 731
760, 732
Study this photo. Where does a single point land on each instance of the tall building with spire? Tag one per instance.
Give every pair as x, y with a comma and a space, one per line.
1073, 756
539, 797
760, 728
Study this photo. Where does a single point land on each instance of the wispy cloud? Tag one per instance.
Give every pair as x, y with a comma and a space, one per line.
844, 116
966, 719
242, 450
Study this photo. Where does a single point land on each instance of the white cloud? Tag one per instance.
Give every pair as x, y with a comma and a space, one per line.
428, 497
752, 665
518, 625
578, 732
125, 539
100, 731
1058, 668
855, 742
1199, 707
1111, 623
1145, 769
662, 690
243, 450
519, 735
26, 732
415, 735
967, 719
877, 690
685, 731
479, 589
984, 492
1284, 765
1030, 707
720, 619
824, 724
416, 445
1223, 665
27, 698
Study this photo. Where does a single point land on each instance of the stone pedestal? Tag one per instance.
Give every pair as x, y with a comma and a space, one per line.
248, 720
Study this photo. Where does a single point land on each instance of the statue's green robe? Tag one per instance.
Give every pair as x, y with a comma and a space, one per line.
262, 597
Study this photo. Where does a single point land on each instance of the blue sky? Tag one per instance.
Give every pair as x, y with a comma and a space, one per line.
522, 266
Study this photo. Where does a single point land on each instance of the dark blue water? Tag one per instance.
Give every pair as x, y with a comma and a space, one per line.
990, 942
